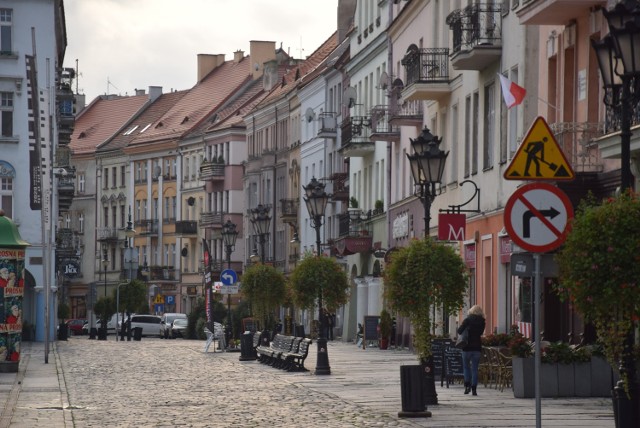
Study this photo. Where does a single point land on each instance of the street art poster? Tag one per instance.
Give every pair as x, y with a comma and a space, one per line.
11, 298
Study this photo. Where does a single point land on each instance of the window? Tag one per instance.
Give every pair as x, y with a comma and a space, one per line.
6, 21
6, 107
6, 195
138, 171
138, 213
105, 179
123, 176
489, 125
155, 209
123, 222
167, 168
81, 181
106, 216
166, 208
114, 216
474, 135
174, 207
467, 136
114, 177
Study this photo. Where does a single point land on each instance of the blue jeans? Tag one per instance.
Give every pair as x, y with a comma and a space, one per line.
470, 362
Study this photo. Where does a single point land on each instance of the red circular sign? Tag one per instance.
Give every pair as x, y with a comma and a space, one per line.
537, 217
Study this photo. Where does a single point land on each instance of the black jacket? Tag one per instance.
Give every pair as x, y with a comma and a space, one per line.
475, 324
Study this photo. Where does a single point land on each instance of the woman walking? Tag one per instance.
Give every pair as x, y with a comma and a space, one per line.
475, 324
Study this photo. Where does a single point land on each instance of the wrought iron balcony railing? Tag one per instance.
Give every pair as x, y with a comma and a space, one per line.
475, 25
427, 65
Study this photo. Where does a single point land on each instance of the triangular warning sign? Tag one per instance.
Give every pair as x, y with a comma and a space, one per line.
539, 157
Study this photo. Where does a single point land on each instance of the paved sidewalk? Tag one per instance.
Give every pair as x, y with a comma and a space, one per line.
166, 383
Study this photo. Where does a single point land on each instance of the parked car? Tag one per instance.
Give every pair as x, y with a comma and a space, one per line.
150, 324
75, 326
111, 326
166, 320
178, 328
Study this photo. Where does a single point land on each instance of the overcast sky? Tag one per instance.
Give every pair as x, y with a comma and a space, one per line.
141, 43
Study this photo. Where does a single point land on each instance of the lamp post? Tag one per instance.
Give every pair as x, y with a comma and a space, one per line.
316, 199
618, 56
261, 220
105, 263
229, 236
131, 262
427, 166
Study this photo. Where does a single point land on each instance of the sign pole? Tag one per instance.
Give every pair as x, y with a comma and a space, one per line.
536, 314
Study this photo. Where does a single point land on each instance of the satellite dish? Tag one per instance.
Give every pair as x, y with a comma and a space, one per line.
349, 97
157, 171
383, 80
310, 114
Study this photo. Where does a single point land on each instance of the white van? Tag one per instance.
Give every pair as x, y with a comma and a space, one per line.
150, 324
165, 322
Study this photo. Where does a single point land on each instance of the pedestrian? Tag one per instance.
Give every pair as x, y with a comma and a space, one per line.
475, 324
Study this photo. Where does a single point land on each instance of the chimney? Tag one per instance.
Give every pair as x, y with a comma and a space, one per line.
154, 92
260, 52
140, 92
207, 63
238, 55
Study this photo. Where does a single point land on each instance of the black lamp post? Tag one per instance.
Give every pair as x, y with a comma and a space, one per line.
427, 166
261, 220
618, 56
316, 199
229, 236
105, 263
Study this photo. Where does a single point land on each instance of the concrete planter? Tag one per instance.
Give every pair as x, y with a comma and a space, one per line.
523, 377
603, 378
582, 379
549, 380
566, 380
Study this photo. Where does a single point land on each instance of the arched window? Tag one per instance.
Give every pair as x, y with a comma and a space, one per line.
7, 174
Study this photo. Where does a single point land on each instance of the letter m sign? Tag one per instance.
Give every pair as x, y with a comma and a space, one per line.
451, 227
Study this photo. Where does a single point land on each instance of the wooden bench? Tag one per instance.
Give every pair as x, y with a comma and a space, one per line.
294, 361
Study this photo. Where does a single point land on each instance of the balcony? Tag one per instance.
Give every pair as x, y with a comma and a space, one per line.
427, 72
149, 227
66, 244
212, 171
477, 36
186, 227
163, 273
409, 113
340, 186
354, 236
328, 127
578, 143
107, 234
289, 210
66, 190
554, 12
356, 132
211, 220
381, 127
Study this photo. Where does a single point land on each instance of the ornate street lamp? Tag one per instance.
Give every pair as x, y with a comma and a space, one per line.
229, 237
105, 264
316, 199
618, 56
427, 166
261, 220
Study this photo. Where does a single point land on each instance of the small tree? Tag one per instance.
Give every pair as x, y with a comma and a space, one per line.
600, 273
423, 274
133, 295
264, 286
315, 275
104, 308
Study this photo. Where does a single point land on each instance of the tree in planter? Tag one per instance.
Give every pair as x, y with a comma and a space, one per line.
420, 275
315, 275
264, 286
104, 308
599, 274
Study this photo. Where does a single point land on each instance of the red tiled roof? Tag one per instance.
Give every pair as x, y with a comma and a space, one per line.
102, 119
199, 102
144, 121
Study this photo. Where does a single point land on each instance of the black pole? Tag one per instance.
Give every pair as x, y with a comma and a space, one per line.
230, 328
262, 242
625, 135
322, 361
429, 382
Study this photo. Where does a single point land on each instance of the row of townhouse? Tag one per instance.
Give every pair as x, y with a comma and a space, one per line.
256, 129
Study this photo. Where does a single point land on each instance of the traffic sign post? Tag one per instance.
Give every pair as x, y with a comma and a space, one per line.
228, 277
537, 217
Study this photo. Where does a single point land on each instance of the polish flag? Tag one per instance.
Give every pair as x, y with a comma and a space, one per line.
512, 93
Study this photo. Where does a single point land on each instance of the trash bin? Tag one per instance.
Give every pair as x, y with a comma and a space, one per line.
137, 333
62, 331
247, 353
412, 392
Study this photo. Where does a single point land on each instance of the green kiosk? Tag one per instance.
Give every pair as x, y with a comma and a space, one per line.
12, 253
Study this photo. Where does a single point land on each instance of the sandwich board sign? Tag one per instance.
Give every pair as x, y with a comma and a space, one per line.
539, 157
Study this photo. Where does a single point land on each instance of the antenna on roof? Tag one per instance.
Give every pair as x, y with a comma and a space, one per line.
110, 84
